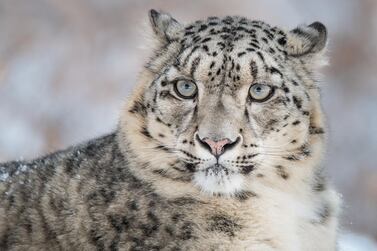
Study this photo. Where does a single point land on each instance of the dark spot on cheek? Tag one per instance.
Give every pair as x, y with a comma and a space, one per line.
297, 102
146, 133
247, 169
159, 120
282, 41
291, 157
280, 170
191, 167
296, 122
164, 148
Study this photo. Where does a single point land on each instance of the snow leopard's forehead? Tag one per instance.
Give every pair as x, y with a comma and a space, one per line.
226, 34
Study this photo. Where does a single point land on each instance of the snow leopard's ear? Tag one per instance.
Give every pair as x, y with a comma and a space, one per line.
308, 39
164, 26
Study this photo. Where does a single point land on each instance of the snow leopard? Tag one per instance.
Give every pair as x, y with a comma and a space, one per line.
219, 147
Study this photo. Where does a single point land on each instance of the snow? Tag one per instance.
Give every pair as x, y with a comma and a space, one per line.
4, 176
23, 168
356, 242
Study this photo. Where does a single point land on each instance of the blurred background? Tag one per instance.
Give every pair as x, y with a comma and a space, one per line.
66, 67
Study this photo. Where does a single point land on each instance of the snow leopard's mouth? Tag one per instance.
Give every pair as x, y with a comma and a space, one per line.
218, 179
217, 169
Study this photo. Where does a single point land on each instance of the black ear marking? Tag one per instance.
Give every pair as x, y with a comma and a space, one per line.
308, 39
164, 26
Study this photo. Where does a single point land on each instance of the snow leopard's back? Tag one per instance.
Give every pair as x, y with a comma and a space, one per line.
85, 198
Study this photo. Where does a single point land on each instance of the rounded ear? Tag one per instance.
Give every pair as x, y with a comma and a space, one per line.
307, 39
164, 26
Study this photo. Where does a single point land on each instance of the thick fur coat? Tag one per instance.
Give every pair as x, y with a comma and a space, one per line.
219, 147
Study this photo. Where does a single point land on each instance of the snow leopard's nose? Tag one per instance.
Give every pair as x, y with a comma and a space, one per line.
217, 147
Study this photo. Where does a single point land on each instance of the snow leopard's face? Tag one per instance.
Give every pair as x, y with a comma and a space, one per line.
231, 99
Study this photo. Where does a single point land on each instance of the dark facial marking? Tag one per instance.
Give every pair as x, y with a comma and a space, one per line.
280, 170
282, 41
296, 122
273, 70
194, 66
138, 108
260, 55
316, 130
291, 157
253, 70
146, 133
247, 169
297, 102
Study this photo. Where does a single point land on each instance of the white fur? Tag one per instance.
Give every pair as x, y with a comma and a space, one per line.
219, 183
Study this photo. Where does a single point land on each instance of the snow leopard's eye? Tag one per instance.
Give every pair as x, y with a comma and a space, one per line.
186, 89
260, 92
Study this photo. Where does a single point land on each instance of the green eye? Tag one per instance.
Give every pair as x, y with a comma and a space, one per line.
260, 92
186, 89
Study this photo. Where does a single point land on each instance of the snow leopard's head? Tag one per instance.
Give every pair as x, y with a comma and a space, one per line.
224, 102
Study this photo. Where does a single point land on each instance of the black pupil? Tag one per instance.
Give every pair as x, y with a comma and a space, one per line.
258, 89
187, 86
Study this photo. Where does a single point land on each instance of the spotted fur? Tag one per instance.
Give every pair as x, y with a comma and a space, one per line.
154, 185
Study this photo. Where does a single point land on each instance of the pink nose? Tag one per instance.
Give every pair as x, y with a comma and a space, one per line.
217, 147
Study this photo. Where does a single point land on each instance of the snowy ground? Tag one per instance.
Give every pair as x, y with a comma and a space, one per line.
356, 242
